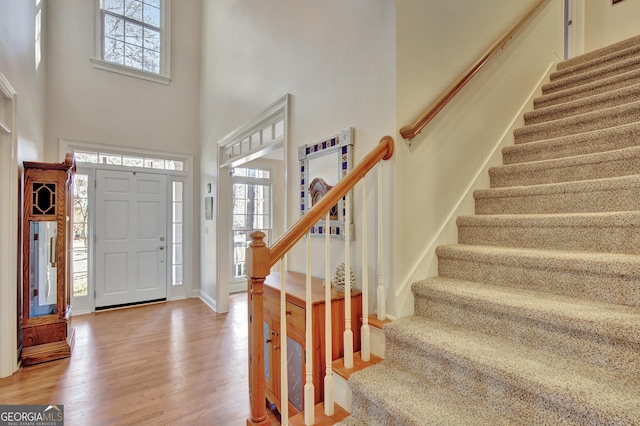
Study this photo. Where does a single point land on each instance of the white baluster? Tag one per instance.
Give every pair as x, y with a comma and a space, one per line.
309, 389
381, 293
284, 378
348, 333
365, 336
328, 378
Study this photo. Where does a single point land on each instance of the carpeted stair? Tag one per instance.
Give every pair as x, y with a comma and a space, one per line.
534, 317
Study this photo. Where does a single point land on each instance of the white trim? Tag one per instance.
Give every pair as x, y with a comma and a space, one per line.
9, 209
208, 300
173, 292
164, 76
278, 110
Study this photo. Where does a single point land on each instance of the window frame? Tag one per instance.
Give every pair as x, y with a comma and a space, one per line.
164, 76
247, 180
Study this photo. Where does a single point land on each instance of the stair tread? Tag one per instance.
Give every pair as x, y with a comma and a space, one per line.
596, 219
592, 75
581, 123
544, 373
576, 160
621, 45
601, 140
604, 184
411, 400
621, 322
627, 265
585, 104
596, 62
595, 87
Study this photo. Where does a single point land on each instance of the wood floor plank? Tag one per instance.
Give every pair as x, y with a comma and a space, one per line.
172, 363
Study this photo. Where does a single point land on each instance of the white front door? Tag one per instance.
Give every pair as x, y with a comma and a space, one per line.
131, 215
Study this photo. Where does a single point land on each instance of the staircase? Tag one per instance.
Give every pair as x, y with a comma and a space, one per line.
535, 315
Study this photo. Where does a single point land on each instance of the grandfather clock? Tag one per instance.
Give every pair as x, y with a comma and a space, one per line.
46, 232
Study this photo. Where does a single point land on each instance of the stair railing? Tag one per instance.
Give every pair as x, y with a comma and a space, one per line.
410, 131
260, 259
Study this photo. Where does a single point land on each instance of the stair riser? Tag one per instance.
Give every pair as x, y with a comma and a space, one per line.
590, 77
613, 239
619, 289
620, 199
616, 116
604, 351
486, 386
601, 141
369, 412
595, 64
592, 168
608, 100
587, 90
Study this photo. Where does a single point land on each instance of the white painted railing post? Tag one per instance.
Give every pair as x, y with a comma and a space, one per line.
348, 333
328, 378
309, 389
381, 291
284, 378
365, 336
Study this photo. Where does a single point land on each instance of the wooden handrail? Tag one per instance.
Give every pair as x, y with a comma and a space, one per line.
383, 151
410, 131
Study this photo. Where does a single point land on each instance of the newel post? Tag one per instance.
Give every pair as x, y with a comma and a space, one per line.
258, 257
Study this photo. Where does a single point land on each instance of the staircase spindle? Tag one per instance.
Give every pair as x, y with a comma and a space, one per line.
284, 378
348, 333
328, 378
309, 389
365, 336
381, 291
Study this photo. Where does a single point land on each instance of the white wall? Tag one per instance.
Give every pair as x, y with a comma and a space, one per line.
25, 117
17, 63
92, 105
607, 23
335, 58
437, 40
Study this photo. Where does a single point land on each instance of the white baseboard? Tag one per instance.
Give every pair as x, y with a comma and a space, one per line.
208, 300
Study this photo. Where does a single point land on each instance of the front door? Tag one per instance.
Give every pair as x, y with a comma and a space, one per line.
131, 215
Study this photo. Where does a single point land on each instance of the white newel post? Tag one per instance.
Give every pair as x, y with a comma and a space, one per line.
309, 389
328, 378
365, 337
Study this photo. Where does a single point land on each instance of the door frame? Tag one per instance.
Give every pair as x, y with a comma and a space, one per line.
573, 23
184, 291
9, 224
235, 143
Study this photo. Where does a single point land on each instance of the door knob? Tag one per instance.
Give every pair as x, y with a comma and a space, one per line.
161, 247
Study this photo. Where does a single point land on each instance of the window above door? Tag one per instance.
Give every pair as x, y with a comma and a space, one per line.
133, 38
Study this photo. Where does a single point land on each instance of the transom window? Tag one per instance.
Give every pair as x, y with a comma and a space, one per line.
128, 160
133, 34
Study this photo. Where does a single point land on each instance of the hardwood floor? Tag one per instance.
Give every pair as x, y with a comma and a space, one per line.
169, 363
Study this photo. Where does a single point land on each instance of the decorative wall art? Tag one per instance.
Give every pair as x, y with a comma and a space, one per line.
322, 165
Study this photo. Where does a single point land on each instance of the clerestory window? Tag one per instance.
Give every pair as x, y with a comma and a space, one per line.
132, 37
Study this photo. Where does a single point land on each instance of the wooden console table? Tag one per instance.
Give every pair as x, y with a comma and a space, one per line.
296, 309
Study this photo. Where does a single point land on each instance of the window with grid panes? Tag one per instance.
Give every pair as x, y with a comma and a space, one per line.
134, 35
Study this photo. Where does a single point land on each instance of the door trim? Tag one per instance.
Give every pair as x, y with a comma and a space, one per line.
9, 209
190, 287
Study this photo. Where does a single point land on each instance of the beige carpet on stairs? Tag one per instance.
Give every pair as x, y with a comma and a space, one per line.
534, 317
